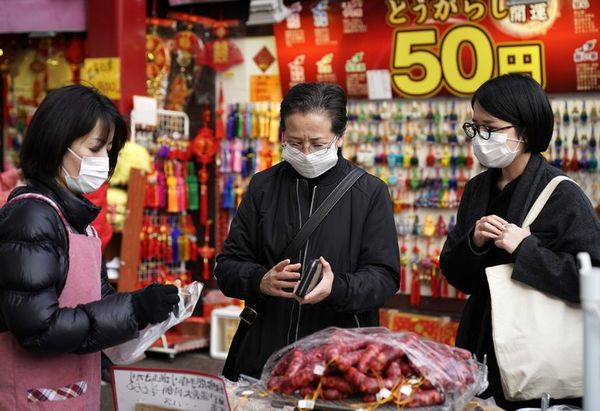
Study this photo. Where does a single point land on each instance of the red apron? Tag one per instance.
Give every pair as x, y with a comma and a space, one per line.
39, 381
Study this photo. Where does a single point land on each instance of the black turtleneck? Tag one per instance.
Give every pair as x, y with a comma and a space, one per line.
337, 168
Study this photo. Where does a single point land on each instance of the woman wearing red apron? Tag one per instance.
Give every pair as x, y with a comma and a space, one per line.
57, 308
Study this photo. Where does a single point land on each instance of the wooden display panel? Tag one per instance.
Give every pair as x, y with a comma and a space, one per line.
130, 243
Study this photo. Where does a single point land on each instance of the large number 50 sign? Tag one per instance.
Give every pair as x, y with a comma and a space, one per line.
441, 65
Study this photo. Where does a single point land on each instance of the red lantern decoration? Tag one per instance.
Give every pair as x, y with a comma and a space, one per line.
74, 55
204, 147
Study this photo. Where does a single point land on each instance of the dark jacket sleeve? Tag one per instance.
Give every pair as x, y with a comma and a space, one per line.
378, 274
461, 262
32, 252
237, 272
547, 260
106, 287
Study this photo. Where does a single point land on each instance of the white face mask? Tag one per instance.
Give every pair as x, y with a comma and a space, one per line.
92, 174
494, 153
311, 165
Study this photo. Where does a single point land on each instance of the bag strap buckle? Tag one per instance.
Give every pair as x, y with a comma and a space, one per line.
248, 315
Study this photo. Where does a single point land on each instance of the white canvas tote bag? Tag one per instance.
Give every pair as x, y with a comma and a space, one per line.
538, 338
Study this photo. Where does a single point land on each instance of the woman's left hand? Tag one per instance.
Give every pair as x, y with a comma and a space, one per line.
511, 237
321, 290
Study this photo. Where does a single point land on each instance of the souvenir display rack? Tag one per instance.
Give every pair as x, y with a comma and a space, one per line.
166, 217
419, 149
251, 144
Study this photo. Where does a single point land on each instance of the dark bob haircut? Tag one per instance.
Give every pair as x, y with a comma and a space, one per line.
65, 115
324, 98
521, 101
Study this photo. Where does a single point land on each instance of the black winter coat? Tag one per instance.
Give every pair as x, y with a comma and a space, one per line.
546, 260
358, 238
34, 260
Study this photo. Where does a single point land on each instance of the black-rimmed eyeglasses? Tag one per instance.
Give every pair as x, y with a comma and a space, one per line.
472, 129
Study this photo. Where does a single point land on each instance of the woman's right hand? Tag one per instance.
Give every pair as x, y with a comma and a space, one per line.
488, 228
280, 280
154, 303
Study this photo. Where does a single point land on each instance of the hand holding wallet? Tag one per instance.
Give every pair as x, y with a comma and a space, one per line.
310, 278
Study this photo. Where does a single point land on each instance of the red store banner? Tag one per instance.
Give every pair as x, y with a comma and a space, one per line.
441, 47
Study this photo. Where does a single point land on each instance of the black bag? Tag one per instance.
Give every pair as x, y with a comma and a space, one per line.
252, 309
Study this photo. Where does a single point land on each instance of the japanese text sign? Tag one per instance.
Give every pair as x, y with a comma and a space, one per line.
441, 46
172, 389
104, 74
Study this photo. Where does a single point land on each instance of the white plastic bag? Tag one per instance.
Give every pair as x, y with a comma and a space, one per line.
133, 350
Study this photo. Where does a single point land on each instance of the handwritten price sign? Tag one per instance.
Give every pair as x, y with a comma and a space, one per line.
170, 389
104, 74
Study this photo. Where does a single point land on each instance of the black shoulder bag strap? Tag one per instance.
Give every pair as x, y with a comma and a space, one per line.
321, 212
250, 313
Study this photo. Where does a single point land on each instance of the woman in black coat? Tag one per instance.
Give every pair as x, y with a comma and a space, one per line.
512, 124
356, 243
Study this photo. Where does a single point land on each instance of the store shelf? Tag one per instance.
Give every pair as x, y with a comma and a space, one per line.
451, 307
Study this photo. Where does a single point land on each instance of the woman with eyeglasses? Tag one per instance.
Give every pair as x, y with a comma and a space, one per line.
512, 124
356, 242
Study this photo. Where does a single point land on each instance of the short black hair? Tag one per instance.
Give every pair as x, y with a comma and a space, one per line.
317, 98
66, 114
521, 101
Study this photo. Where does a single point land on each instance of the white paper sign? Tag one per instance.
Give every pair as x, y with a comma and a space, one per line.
146, 110
177, 389
379, 84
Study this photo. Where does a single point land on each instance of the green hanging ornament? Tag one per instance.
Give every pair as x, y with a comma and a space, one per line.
191, 182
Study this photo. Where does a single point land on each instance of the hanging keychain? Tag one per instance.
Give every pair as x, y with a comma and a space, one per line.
182, 196
192, 187
161, 186
584, 163
557, 161
574, 163
174, 239
469, 158
566, 118
404, 259
440, 228
206, 252
584, 114
150, 190
248, 120
415, 284
565, 159
172, 204
594, 114
593, 162
428, 226
575, 114
182, 240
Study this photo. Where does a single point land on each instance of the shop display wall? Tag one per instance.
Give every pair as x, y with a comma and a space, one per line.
419, 149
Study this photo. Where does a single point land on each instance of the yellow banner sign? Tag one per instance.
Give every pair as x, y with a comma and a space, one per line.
265, 88
104, 74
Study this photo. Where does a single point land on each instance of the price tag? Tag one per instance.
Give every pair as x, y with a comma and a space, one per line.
383, 394
406, 390
319, 369
306, 404
189, 390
